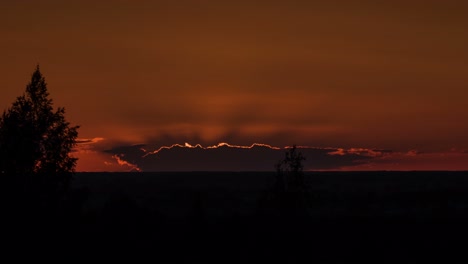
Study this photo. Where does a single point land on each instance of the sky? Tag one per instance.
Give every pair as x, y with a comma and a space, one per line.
385, 77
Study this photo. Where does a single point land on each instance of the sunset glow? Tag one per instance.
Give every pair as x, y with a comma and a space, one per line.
385, 81
234, 130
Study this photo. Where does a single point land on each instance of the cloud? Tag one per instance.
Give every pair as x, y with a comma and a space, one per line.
416, 160
91, 156
84, 141
360, 152
99, 155
84, 145
227, 157
412, 153
122, 162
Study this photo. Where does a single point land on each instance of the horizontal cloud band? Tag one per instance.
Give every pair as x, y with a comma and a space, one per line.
226, 157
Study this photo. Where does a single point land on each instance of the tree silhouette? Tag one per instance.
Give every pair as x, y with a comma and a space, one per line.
290, 186
36, 142
289, 171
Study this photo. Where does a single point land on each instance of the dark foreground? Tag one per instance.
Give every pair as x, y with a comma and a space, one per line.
378, 216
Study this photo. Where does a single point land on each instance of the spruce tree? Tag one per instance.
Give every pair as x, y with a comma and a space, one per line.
36, 142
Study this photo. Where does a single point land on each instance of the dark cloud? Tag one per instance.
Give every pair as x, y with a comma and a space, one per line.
131, 154
259, 157
233, 158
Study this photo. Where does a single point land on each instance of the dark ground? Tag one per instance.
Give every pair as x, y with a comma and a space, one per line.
344, 216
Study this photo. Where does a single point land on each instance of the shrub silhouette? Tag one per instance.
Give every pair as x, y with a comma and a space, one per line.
35, 145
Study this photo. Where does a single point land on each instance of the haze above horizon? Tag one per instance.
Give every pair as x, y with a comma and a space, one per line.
374, 85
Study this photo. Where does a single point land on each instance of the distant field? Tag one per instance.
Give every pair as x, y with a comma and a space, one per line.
236, 217
337, 193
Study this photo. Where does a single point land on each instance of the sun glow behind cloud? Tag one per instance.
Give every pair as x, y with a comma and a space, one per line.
95, 155
358, 76
223, 144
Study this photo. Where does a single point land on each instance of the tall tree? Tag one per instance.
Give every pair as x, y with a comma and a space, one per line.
36, 141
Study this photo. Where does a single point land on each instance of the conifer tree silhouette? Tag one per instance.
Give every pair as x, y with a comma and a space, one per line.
36, 142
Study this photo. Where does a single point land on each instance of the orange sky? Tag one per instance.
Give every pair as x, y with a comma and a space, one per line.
368, 74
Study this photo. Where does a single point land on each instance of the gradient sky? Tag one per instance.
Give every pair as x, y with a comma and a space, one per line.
387, 75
